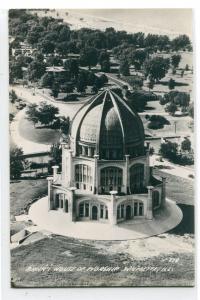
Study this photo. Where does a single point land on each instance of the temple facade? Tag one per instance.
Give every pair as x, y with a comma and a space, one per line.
106, 176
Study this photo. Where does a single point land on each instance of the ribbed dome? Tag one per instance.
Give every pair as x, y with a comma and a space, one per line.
107, 122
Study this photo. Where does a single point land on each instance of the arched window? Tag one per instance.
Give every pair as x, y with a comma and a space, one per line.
57, 201
81, 210
137, 178
155, 198
111, 179
138, 208
83, 176
103, 212
120, 211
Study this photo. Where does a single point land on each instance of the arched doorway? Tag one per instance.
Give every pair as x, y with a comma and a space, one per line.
94, 212
111, 178
128, 212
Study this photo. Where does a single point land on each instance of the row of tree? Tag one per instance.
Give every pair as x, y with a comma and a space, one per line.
53, 35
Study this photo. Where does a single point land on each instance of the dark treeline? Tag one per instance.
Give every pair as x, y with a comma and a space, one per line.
51, 35
51, 41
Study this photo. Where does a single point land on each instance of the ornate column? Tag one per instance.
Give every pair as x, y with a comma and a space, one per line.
55, 172
112, 208
89, 152
147, 177
72, 205
149, 213
70, 179
126, 178
163, 194
50, 193
83, 150
95, 176
64, 166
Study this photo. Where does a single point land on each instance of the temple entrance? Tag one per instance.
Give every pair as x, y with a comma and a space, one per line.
111, 179
94, 212
128, 212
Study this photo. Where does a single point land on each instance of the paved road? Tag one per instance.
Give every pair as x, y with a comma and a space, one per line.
28, 94
27, 146
173, 169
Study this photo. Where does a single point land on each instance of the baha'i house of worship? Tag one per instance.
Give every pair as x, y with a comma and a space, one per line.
106, 176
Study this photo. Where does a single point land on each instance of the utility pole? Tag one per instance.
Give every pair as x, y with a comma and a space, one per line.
175, 122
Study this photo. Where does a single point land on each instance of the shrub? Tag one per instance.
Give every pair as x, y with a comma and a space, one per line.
157, 122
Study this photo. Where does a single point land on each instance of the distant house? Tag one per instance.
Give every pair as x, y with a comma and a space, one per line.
73, 55
55, 69
24, 49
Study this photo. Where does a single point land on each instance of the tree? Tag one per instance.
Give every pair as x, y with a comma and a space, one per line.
138, 59
105, 66
179, 98
100, 81
33, 37
12, 96
16, 162
137, 101
15, 71
81, 82
64, 124
104, 79
89, 57
171, 108
171, 84
180, 42
54, 61
157, 122
169, 150
186, 67
47, 80
191, 110
151, 151
56, 155
124, 68
55, 89
151, 83
186, 144
47, 46
47, 113
68, 87
36, 69
156, 67
104, 61
175, 60
64, 34
182, 99
72, 66
32, 113
38, 56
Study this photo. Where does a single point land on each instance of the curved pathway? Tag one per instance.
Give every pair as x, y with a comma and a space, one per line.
66, 109
26, 145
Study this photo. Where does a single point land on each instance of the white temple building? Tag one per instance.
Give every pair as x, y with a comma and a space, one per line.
106, 176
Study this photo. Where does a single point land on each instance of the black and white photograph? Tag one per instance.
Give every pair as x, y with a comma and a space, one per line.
102, 148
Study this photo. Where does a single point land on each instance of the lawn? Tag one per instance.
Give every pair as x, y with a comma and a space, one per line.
39, 135
22, 192
178, 189
59, 261
56, 261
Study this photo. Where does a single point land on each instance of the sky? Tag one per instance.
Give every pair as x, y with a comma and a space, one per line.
161, 21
